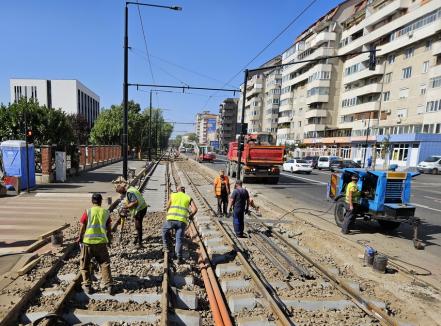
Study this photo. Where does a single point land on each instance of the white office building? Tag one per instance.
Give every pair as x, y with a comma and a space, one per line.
72, 96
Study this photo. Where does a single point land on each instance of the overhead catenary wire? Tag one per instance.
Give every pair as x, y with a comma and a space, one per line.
266, 46
145, 42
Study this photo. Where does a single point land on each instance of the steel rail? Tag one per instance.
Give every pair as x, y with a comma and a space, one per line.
274, 301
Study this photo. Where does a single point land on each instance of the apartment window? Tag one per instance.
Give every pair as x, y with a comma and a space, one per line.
387, 78
391, 58
406, 73
401, 113
433, 106
420, 109
428, 45
425, 67
423, 89
435, 82
300, 123
386, 96
404, 93
352, 69
318, 91
408, 53
400, 152
416, 24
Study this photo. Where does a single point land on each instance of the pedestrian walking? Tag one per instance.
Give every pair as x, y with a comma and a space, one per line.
222, 191
239, 202
95, 236
137, 206
369, 162
178, 215
352, 204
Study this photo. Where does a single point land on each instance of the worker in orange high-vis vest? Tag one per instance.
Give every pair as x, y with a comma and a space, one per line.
180, 209
222, 191
95, 236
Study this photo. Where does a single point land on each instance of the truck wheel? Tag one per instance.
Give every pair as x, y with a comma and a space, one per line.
389, 225
340, 211
435, 171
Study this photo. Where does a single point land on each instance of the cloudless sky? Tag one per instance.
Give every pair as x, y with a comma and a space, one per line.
83, 39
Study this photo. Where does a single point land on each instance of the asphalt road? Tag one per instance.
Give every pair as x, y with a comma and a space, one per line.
311, 190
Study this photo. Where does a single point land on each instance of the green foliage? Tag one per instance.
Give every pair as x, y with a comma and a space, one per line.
192, 137
80, 128
49, 126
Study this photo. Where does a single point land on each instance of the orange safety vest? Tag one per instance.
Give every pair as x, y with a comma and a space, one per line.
218, 184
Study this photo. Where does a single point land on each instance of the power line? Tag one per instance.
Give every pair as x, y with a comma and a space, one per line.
267, 46
145, 42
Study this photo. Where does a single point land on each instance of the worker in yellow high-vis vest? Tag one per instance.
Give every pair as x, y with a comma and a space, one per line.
352, 204
95, 236
135, 202
180, 209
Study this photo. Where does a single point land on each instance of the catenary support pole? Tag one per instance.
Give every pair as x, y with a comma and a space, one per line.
125, 93
242, 122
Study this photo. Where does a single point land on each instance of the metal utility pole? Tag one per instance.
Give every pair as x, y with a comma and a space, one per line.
240, 144
125, 144
27, 150
150, 128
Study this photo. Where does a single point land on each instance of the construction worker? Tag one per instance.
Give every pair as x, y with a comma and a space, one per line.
222, 191
352, 204
95, 236
239, 202
178, 215
135, 202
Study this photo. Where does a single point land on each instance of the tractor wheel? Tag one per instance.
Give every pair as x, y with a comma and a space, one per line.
389, 225
340, 211
435, 171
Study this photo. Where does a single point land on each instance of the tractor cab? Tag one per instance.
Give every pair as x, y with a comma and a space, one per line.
385, 198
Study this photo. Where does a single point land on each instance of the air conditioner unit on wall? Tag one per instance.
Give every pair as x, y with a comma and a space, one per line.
410, 34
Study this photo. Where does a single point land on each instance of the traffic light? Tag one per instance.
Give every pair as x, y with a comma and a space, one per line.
372, 59
29, 136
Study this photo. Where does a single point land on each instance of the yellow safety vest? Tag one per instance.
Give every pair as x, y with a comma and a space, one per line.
96, 229
141, 201
352, 187
178, 211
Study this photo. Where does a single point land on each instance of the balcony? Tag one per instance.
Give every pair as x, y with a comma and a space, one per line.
435, 71
318, 53
393, 25
376, 16
254, 89
367, 89
318, 83
365, 107
284, 119
362, 74
315, 113
317, 99
323, 37
314, 127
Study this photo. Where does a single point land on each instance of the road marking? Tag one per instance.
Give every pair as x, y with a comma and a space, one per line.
427, 207
303, 178
435, 199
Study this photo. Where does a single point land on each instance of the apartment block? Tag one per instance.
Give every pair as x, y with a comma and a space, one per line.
227, 122
72, 96
262, 99
311, 90
206, 125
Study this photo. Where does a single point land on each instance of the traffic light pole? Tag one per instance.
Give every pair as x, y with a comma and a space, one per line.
240, 143
27, 151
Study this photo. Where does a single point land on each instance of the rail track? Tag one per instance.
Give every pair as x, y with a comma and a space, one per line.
291, 285
149, 288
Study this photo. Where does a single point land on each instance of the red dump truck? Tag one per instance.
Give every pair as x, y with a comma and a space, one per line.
261, 159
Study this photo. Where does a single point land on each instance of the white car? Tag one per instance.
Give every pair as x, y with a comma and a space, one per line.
432, 165
324, 161
296, 165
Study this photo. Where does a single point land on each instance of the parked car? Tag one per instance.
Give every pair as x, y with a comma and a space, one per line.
432, 164
341, 164
297, 165
182, 150
324, 161
312, 160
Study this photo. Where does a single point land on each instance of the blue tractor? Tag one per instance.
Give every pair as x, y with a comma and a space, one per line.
385, 198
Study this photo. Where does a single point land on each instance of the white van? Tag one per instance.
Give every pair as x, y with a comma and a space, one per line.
432, 164
324, 161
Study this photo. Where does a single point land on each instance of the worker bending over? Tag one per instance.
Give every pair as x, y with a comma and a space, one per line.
352, 204
135, 202
222, 191
240, 202
95, 236
178, 215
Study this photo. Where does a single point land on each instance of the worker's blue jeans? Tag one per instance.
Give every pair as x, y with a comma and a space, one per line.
349, 217
238, 222
179, 227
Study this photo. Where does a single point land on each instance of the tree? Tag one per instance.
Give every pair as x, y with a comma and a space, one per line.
80, 128
49, 126
192, 137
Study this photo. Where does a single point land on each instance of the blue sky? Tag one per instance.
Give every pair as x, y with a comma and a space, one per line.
83, 39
